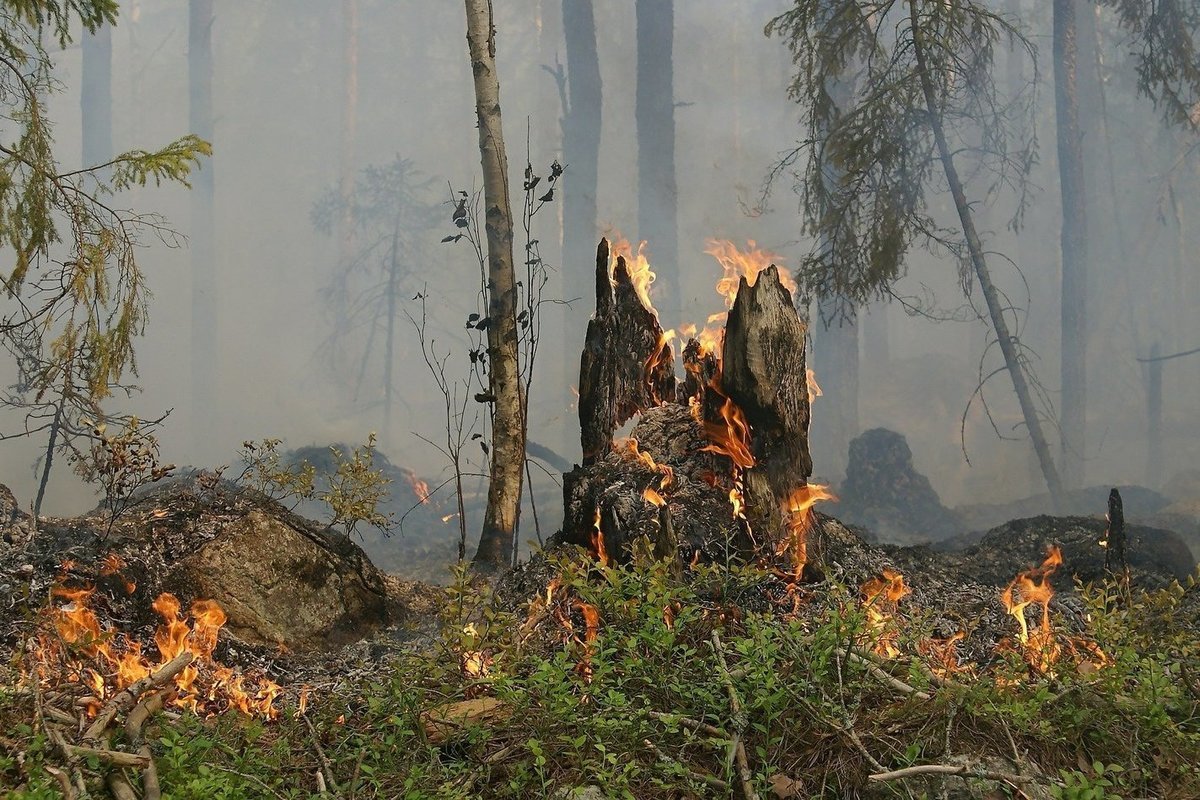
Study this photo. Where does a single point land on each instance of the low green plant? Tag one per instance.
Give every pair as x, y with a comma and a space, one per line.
353, 491
121, 463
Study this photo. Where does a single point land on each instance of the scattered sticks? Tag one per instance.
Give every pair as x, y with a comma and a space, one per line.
737, 747
124, 700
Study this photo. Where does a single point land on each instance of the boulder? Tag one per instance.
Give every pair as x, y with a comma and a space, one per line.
280, 587
885, 493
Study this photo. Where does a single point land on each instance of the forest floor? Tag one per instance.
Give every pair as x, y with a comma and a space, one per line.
573, 677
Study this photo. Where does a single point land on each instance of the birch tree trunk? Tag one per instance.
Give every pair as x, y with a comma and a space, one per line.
508, 444
1074, 241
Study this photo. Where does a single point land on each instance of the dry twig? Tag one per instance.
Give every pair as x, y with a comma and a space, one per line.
739, 721
126, 698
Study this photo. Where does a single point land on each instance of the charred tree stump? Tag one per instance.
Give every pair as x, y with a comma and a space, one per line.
764, 374
711, 468
1114, 537
626, 367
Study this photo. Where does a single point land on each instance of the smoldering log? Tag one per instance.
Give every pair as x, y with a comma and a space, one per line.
626, 365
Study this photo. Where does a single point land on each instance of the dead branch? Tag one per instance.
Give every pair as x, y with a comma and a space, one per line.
691, 724
119, 786
959, 770
125, 699
117, 758
326, 772
882, 675
711, 780
739, 721
151, 704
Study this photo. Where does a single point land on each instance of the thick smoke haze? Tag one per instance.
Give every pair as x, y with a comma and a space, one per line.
278, 91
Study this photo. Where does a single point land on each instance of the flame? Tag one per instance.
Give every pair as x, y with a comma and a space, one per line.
597, 536
738, 264
942, 655
880, 596
640, 274
814, 388
798, 514
449, 517
203, 686
1033, 586
420, 488
731, 439
653, 497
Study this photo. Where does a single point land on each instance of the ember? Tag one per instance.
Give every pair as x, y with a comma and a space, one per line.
881, 595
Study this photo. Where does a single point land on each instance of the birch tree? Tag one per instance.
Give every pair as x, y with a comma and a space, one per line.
508, 443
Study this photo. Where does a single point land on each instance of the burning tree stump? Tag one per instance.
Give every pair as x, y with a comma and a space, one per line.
627, 366
717, 464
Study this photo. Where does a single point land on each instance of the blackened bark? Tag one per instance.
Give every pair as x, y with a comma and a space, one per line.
763, 372
1114, 538
655, 117
626, 367
1074, 242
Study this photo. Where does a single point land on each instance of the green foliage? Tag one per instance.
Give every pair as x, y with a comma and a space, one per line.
869, 178
352, 492
267, 473
78, 298
355, 490
610, 710
122, 463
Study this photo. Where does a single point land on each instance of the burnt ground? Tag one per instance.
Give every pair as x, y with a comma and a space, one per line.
954, 588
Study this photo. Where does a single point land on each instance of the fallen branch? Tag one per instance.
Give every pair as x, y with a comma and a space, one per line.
119, 786
739, 721
125, 699
688, 722
882, 674
151, 704
958, 770
117, 758
326, 773
711, 780
63, 781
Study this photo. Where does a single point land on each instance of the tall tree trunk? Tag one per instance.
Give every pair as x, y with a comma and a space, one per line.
202, 242
581, 155
349, 133
1074, 242
979, 262
508, 444
389, 348
95, 100
658, 197
835, 421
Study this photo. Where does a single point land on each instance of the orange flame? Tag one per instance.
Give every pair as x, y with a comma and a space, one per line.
880, 596
798, 514
640, 274
814, 388
1033, 586
598, 540
420, 488
78, 626
738, 264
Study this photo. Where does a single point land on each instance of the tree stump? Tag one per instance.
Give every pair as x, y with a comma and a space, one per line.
711, 466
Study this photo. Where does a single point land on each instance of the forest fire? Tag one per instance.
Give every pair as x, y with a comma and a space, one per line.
799, 520
881, 595
640, 274
1033, 586
85, 651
